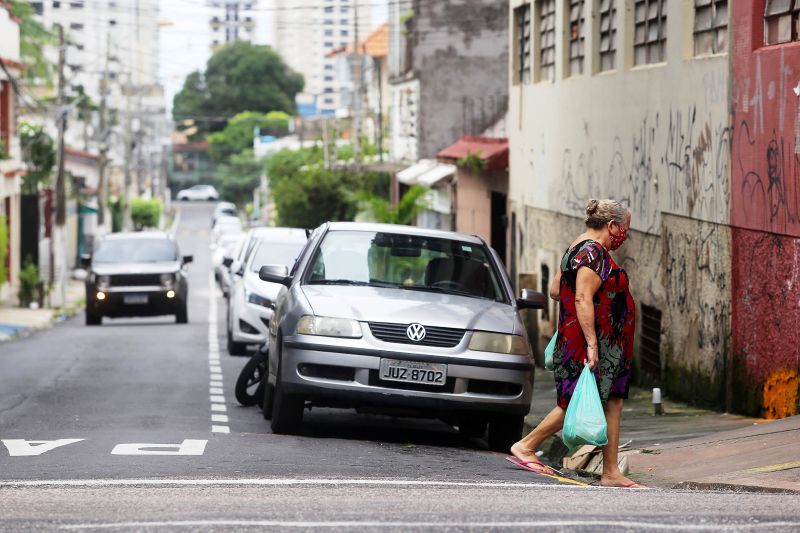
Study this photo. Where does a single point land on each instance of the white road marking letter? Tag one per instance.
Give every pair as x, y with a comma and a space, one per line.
187, 447
28, 448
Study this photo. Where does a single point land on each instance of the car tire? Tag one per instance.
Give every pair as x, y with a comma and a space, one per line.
504, 431
268, 395
287, 409
182, 315
251, 372
93, 318
235, 348
210, 198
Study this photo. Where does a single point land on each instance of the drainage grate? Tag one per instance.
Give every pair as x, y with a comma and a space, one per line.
650, 344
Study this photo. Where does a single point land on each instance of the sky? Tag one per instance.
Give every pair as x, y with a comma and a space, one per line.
186, 38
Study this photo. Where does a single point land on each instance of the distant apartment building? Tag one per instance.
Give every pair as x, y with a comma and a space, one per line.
306, 32
233, 20
688, 113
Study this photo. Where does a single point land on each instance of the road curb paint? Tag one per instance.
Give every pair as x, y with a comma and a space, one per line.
216, 392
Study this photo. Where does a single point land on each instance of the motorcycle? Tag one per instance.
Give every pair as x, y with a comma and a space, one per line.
252, 379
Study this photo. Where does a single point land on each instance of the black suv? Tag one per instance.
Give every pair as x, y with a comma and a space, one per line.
136, 274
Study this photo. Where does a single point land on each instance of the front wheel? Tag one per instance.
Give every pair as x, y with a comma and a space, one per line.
287, 409
504, 431
93, 318
182, 316
250, 384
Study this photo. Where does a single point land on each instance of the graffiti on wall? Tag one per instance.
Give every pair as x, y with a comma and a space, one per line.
675, 162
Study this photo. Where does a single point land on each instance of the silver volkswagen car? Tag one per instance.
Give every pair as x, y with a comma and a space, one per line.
403, 320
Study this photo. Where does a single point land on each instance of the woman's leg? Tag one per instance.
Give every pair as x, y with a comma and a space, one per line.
611, 474
525, 449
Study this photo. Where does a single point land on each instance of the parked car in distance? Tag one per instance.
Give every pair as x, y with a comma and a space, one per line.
198, 192
227, 247
223, 209
406, 320
226, 225
136, 274
252, 301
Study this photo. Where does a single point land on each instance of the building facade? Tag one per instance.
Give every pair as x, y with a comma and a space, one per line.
447, 71
305, 32
11, 167
632, 99
233, 20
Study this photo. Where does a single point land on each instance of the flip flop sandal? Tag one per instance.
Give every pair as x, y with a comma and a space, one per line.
538, 468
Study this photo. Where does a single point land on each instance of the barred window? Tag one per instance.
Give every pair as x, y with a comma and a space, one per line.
650, 33
577, 36
781, 21
710, 26
522, 20
547, 39
607, 15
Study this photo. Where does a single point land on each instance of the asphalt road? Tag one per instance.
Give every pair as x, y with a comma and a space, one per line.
112, 428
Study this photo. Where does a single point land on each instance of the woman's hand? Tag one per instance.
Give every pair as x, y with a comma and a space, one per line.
592, 356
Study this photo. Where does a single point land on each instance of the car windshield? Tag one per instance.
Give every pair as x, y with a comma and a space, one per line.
275, 253
408, 262
136, 251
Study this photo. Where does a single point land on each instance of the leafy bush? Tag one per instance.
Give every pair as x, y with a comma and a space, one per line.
237, 178
3, 249
30, 285
381, 210
145, 213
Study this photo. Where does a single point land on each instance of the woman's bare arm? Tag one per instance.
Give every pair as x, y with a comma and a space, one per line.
555, 286
587, 284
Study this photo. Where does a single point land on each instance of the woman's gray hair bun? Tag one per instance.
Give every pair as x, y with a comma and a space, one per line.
601, 212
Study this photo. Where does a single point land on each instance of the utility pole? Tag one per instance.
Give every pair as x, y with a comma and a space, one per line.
357, 79
58, 252
101, 178
325, 150
126, 208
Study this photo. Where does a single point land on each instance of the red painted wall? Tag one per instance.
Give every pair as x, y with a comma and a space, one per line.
765, 215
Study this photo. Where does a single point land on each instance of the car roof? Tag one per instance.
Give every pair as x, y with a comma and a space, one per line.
279, 234
137, 235
403, 230
225, 205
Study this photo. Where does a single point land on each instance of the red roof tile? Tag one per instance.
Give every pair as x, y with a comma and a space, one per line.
493, 150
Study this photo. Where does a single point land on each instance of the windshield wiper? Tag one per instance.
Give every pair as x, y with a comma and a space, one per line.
350, 282
456, 292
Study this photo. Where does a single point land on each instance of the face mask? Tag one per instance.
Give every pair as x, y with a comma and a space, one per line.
618, 239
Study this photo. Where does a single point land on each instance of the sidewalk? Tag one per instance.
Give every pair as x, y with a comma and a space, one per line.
18, 321
689, 447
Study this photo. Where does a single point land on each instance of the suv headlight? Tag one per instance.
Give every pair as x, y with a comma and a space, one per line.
167, 280
329, 327
483, 341
257, 299
103, 282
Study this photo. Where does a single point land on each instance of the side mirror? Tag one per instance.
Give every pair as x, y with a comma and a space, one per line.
86, 260
227, 261
530, 299
188, 259
275, 274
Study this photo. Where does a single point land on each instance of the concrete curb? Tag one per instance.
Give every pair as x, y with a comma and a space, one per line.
176, 220
732, 487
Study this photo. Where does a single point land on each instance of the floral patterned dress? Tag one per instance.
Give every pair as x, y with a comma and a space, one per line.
615, 317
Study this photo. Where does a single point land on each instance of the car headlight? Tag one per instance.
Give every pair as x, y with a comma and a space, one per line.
167, 280
329, 327
257, 299
103, 281
483, 341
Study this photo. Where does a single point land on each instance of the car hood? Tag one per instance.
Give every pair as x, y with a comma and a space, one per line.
378, 304
109, 269
262, 288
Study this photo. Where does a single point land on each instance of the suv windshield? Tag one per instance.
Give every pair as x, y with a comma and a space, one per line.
407, 262
136, 251
275, 253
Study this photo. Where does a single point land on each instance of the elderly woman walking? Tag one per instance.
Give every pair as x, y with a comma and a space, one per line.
595, 328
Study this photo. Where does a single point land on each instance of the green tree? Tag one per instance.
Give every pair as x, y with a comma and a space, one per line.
33, 37
240, 130
145, 213
39, 153
314, 196
406, 210
237, 178
239, 77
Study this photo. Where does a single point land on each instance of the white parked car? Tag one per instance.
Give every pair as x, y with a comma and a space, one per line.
223, 209
226, 225
252, 301
227, 247
198, 192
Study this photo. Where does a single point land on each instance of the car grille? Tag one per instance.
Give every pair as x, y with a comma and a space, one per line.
434, 336
129, 280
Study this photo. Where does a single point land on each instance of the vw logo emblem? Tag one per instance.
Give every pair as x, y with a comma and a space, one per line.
415, 332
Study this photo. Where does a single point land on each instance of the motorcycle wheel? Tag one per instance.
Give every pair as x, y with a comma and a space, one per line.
250, 385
